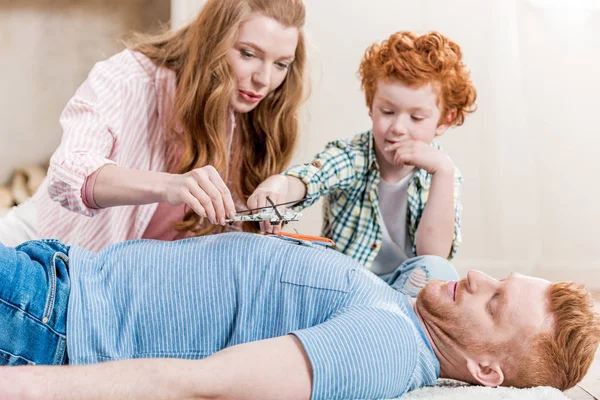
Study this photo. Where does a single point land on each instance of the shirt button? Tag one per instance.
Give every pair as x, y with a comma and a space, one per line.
316, 163
374, 246
45, 320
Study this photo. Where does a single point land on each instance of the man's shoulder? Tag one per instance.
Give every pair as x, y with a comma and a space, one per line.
370, 334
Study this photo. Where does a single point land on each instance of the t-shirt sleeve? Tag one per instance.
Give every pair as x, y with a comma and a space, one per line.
363, 352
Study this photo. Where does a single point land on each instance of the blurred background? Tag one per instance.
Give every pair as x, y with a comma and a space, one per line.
528, 154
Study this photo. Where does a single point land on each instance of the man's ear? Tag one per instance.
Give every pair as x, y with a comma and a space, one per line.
450, 117
486, 371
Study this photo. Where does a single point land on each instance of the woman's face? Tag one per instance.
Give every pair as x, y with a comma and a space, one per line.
260, 58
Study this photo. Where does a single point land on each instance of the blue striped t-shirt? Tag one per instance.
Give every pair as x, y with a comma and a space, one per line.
194, 297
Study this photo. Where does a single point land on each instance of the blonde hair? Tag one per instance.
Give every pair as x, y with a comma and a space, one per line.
205, 85
417, 60
561, 358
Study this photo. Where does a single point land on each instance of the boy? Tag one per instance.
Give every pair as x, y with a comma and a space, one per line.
390, 193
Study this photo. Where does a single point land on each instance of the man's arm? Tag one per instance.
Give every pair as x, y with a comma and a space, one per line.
268, 369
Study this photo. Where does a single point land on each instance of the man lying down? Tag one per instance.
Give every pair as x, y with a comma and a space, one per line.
247, 316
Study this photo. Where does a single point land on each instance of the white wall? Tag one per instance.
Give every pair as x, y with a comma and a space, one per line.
528, 155
184, 10
47, 49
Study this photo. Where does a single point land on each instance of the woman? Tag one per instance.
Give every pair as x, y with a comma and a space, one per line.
154, 129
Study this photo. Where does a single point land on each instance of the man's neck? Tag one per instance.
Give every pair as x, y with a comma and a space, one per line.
413, 302
448, 362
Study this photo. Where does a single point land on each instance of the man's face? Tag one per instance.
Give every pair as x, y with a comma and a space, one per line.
480, 314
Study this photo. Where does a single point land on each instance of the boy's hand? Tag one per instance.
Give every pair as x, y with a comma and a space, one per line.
276, 187
420, 155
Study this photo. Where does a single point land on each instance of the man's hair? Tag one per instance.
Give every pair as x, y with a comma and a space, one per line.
416, 61
562, 357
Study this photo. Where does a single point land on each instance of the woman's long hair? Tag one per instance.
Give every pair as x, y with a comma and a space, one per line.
206, 84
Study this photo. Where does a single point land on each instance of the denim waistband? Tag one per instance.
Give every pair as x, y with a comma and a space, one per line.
34, 294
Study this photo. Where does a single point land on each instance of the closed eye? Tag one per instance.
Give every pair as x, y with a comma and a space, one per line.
246, 54
282, 65
491, 307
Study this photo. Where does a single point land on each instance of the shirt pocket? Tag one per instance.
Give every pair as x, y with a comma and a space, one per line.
335, 279
8, 359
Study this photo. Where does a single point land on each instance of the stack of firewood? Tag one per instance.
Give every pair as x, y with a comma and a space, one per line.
23, 184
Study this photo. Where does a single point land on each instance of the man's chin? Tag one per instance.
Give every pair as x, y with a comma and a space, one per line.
429, 299
432, 289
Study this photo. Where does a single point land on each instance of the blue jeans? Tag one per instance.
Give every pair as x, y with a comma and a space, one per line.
410, 277
34, 294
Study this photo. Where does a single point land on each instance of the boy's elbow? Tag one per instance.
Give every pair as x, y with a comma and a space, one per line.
428, 247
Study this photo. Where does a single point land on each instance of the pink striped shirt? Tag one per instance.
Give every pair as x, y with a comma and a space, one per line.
117, 116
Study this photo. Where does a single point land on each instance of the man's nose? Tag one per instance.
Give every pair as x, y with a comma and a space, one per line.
478, 281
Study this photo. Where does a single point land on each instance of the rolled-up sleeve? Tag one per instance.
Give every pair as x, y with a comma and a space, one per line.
91, 122
330, 170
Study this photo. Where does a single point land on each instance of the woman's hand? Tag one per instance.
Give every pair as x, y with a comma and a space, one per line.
204, 191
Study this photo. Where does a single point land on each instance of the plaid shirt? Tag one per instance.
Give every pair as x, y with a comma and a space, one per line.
347, 174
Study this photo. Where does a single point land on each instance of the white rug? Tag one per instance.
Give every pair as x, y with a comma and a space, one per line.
454, 390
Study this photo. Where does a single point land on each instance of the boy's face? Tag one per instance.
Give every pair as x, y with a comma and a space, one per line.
401, 113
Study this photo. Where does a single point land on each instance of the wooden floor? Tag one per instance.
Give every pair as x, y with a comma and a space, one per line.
589, 387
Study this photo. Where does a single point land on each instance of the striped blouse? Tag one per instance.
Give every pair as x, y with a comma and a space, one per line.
117, 116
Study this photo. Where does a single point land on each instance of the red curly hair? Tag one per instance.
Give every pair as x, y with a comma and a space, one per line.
416, 61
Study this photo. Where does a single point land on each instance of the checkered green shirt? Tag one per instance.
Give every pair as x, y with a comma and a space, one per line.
346, 174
